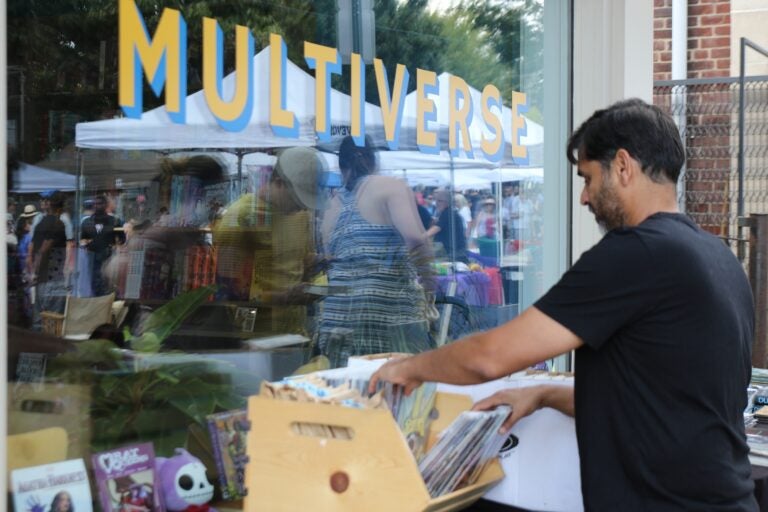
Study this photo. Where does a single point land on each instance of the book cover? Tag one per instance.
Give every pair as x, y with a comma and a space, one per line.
31, 369
52, 487
126, 479
228, 433
414, 416
134, 274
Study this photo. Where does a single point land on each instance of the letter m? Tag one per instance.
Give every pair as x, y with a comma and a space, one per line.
163, 58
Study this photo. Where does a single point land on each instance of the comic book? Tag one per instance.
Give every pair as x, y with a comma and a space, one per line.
57, 486
126, 479
228, 434
414, 416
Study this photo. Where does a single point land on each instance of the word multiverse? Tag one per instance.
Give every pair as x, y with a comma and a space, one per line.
162, 57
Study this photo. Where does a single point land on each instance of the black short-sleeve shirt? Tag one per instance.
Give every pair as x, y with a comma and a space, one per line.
451, 233
666, 315
52, 266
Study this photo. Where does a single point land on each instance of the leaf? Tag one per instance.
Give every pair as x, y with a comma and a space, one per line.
167, 318
195, 407
166, 443
168, 376
109, 383
147, 342
110, 430
230, 402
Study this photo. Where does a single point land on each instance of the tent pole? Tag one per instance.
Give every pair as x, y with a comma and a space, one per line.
77, 215
452, 217
499, 218
239, 154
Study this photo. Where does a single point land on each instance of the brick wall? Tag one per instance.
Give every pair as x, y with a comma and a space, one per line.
662, 40
708, 144
709, 39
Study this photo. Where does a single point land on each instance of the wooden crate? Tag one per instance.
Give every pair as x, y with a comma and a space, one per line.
52, 323
288, 471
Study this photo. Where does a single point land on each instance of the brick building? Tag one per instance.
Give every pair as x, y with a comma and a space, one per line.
707, 110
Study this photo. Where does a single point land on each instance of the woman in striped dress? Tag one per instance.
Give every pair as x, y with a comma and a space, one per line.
378, 252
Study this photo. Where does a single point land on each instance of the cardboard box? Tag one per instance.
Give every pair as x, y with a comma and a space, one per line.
373, 471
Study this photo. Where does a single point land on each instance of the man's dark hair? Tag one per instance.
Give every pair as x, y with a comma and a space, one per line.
649, 135
57, 200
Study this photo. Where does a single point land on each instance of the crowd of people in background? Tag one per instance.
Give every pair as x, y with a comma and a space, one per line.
41, 252
42, 245
475, 215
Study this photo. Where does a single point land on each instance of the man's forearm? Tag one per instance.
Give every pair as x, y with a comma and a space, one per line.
468, 361
522, 342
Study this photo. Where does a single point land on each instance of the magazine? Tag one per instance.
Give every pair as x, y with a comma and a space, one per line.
50, 487
126, 479
228, 433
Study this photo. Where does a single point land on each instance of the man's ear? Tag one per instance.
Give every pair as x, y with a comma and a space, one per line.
625, 166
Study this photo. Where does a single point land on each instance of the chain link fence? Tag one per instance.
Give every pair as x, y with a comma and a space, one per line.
707, 113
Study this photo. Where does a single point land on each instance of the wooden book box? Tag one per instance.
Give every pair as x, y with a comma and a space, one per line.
372, 471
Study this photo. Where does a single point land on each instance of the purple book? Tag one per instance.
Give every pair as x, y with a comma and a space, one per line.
126, 479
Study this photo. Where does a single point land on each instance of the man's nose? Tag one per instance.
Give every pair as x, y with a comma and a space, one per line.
584, 197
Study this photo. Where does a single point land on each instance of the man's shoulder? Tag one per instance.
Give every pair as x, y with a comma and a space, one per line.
50, 220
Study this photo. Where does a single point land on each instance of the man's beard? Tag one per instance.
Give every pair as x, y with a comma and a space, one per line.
607, 208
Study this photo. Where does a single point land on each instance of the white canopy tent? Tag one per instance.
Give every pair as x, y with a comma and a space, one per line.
468, 178
29, 179
413, 166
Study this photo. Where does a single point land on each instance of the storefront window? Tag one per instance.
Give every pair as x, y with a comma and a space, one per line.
213, 194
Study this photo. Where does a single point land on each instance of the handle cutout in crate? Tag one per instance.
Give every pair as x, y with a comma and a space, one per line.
305, 428
42, 406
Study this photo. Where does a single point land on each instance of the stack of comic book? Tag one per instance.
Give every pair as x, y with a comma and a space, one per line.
463, 450
413, 413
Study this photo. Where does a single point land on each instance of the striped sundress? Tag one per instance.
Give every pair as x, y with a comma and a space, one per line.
382, 300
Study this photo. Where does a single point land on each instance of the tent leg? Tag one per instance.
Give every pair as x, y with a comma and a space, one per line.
78, 213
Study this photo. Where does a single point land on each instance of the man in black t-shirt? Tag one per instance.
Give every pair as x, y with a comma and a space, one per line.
51, 262
661, 316
98, 235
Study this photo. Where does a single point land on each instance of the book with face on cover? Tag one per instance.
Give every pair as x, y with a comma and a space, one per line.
127, 480
57, 487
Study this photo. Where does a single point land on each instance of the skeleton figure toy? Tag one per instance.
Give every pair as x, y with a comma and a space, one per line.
183, 482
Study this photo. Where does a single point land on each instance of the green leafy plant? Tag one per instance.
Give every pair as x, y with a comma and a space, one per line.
135, 397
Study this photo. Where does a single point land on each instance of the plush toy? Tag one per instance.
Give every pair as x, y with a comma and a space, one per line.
183, 482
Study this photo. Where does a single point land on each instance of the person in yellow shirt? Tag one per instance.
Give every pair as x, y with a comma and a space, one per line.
266, 244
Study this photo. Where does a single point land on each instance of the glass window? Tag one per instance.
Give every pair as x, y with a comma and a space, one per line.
213, 194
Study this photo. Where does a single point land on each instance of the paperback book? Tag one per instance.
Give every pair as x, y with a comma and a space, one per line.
52, 487
228, 433
126, 479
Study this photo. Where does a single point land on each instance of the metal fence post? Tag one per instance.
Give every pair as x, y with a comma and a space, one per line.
758, 278
744, 43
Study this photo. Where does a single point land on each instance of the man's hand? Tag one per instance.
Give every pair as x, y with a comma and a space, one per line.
523, 401
527, 400
398, 371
